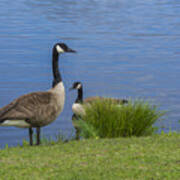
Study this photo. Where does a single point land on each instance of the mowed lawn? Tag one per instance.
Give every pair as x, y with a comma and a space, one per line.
154, 157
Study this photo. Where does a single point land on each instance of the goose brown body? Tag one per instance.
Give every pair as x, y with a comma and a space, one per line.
37, 109
113, 100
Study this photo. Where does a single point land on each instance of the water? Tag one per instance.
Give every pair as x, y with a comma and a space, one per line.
125, 49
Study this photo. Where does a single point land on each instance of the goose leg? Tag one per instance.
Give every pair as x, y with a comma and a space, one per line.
38, 135
30, 136
77, 133
74, 119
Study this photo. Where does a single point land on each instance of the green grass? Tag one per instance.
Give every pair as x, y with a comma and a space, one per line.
152, 157
106, 120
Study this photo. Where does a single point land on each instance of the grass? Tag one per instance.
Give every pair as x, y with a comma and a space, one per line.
152, 157
107, 120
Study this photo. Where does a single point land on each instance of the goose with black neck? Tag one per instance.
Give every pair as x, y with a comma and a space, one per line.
38, 109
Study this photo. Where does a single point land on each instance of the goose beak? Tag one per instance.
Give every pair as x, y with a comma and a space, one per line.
70, 50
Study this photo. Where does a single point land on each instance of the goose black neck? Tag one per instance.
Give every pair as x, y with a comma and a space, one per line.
80, 96
56, 73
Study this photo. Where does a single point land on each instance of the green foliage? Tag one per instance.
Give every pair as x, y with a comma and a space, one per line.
87, 130
105, 119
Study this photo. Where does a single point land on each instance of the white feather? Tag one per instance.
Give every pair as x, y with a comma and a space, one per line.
59, 93
59, 49
79, 86
78, 109
17, 123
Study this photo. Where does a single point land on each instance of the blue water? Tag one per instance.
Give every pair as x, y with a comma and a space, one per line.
126, 48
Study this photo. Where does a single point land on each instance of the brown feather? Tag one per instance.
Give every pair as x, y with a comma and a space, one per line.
113, 100
36, 108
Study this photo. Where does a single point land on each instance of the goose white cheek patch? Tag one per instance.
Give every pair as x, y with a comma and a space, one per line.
59, 49
78, 86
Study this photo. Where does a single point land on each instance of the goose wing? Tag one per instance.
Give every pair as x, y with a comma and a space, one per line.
26, 107
91, 99
113, 100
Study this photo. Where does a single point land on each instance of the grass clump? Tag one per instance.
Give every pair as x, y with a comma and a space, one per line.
105, 119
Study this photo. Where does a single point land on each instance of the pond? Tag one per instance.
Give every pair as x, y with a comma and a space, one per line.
126, 49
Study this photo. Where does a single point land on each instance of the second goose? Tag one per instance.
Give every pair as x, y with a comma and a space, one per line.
78, 108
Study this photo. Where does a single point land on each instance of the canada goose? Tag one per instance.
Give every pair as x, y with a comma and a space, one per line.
78, 108
38, 109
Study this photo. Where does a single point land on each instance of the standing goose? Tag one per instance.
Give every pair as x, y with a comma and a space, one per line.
38, 109
78, 108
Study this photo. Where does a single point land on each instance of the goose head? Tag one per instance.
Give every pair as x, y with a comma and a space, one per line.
76, 85
62, 48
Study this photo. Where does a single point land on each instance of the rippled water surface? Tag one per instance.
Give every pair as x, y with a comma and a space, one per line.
125, 49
